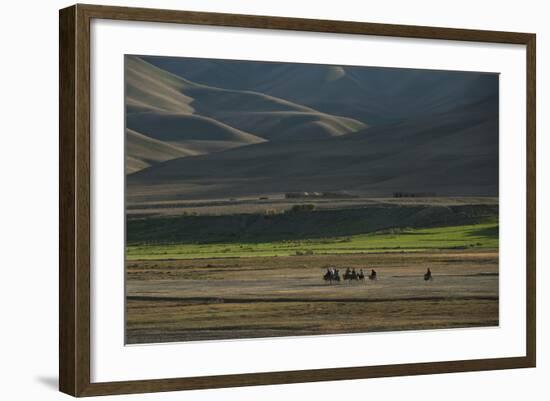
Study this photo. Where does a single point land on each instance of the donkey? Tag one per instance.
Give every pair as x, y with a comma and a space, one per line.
331, 275
328, 276
373, 275
361, 275
428, 275
351, 275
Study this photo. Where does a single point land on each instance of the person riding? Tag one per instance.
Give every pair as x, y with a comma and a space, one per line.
372, 274
428, 275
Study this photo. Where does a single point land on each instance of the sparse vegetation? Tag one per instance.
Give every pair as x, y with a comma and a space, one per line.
271, 296
305, 222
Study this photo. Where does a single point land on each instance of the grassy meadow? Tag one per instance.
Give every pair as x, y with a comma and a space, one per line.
476, 236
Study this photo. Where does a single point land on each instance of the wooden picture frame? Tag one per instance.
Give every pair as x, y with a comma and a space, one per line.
74, 206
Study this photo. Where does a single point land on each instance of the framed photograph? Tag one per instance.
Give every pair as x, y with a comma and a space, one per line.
250, 200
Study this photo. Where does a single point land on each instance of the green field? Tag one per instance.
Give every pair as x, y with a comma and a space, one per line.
476, 236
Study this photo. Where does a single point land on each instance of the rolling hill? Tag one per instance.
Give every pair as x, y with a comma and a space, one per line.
145, 151
372, 95
233, 129
201, 119
449, 154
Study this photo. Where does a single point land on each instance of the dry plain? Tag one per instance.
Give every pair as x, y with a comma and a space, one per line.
224, 298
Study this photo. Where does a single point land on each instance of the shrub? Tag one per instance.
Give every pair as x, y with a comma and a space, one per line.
303, 253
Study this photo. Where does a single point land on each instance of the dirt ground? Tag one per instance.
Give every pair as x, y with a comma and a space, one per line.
211, 299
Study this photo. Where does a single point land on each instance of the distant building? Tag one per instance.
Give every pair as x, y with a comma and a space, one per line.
310, 195
414, 194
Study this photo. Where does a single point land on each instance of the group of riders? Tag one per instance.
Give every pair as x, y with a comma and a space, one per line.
333, 274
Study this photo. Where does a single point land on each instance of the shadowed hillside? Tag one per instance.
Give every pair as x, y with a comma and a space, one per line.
372, 95
201, 119
448, 154
301, 224
146, 151
219, 129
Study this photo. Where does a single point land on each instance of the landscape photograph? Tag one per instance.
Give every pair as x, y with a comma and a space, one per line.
275, 199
